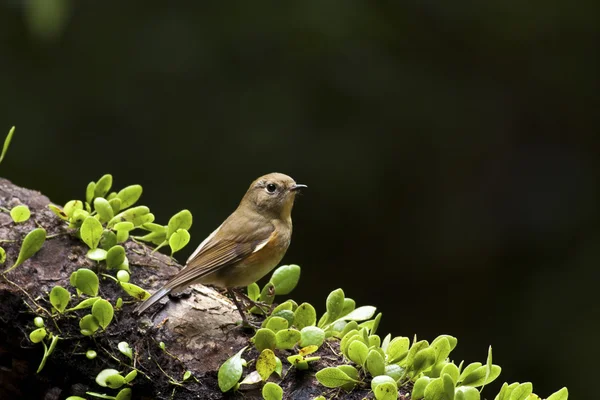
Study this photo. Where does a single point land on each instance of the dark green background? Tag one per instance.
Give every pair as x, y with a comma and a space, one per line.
450, 148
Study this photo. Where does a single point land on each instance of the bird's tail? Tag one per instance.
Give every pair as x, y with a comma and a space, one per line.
151, 300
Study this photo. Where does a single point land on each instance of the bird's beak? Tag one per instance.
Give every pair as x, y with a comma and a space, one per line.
297, 186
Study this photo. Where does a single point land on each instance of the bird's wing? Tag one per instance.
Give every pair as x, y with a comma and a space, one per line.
223, 247
221, 250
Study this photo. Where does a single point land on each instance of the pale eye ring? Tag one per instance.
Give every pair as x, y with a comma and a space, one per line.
271, 187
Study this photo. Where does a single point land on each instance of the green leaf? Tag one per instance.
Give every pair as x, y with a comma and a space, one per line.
266, 363
384, 388
123, 276
375, 363
414, 349
451, 339
272, 391
352, 373
87, 303
129, 195
374, 341
298, 362
101, 378
178, 240
32, 243
72, 206
153, 237
2, 255
357, 352
276, 324
332, 377
466, 393
181, 220
264, 339
91, 232
278, 366
360, 314
285, 306
423, 360
349, 305
468, 369
335, 304
397, 349
442, 349
37, 335
88, 324
125, 349
478, 376
104, 210
87, 281
103, 185
288, 315
562, 394
124, 226
452, 370
132, 375
122, 236
305, 315
522, 391
394, 370
435, 390
488, 367
287, 338
311, 336
267, 295
115, 381
253, 292
139, 215
187, 375
285, 279
59, 298
108, 240
75, 398
58, 212
115, 204
418, 391
20, 213
96, 254
103, 311
376, 322
134, 291
350, 326
152, 227
89, 192
251, 379
115, 257
7, 143
124, 394
231, 371
78, 217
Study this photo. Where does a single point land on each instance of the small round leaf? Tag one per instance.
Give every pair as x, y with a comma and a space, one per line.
103, 311
20, 213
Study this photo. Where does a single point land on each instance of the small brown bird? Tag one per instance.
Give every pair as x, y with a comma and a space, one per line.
249, 244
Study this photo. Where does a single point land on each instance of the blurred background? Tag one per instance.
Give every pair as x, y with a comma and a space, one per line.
450, 149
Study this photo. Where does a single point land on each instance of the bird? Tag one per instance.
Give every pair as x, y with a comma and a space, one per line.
245, 247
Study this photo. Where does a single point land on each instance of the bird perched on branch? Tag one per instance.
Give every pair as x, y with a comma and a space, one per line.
247, 246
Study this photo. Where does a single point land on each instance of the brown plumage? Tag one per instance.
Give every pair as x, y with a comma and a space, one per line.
249, 244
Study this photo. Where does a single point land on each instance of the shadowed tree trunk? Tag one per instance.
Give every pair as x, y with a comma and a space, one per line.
197, 328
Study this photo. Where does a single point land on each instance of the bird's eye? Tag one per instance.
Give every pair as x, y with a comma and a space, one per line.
271, 188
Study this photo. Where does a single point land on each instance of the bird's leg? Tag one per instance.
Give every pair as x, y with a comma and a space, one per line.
265, 308
240, 309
